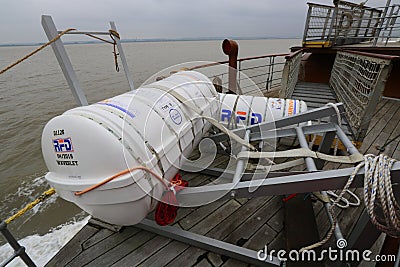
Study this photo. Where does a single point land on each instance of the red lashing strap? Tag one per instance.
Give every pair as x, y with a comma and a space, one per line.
167, 208
286, 199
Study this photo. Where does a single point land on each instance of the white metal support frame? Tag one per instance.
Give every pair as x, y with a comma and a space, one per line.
63, 59
123, 59
65, 63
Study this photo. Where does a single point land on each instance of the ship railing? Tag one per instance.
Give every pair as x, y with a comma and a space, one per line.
358, 80
290, 74
349, 23
254, 74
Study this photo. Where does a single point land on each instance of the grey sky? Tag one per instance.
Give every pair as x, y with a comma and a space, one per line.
20, 19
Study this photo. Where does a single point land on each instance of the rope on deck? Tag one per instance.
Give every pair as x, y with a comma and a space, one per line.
378, 197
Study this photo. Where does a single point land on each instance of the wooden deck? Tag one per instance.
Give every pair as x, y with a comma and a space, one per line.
251, 223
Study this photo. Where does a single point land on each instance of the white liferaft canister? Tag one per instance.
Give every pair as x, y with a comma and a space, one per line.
146, 127
244, 110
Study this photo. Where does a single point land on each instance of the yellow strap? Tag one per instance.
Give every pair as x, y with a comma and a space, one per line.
42, 197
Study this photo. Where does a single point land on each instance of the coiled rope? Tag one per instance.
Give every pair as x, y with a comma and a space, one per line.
378, 197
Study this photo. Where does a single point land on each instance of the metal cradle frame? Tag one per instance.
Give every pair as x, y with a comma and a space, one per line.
277, 183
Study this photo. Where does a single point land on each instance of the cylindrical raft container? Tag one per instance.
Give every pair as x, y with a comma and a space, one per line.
244, 110
146, 127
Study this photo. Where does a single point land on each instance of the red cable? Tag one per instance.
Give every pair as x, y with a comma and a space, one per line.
167, 208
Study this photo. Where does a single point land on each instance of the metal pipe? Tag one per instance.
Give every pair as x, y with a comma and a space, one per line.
396, 264
345, 140
19, 251
123, 59
333, 22
312, 167
84, 32
240, 165
63, 59
307, 23
378, 32
280, 185
375, 55
231, 48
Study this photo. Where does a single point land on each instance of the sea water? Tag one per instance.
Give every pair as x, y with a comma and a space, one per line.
36, 91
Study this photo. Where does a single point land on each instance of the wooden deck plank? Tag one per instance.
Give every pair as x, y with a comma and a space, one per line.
99, 236
393, 129
185, 259
234, 263
238, 218
393, 122
224, 228
262, 237
223, 231
391, 147
371, 136
204, 263
122, 249
210, 207
103, 246
144, 254
379, 113
276, 222
218, 231
215, 259
166, 254
279, 242
396, 153
73, 248
199, 214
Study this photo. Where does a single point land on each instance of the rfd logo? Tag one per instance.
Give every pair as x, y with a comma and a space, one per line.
241, 116
63, 145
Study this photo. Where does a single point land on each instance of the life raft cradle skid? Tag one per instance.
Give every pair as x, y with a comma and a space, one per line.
277, 183
282, 182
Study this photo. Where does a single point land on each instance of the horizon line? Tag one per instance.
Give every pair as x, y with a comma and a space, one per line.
133, 40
